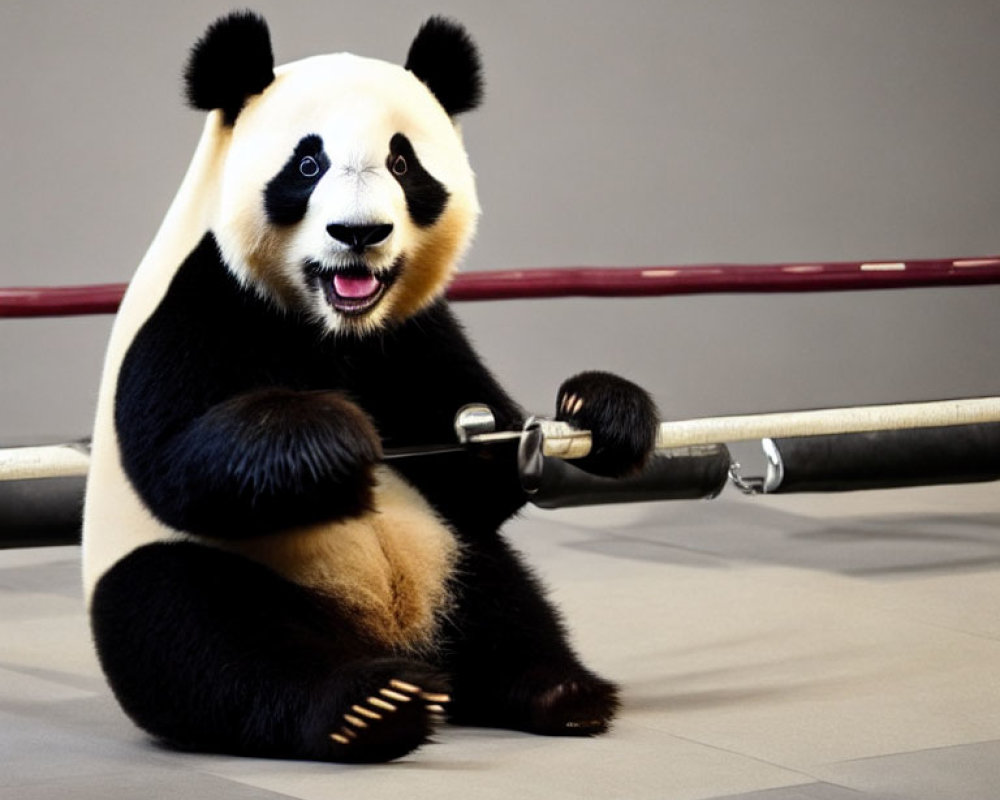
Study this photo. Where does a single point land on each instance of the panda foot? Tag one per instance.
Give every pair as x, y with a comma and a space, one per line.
575, 708
580, 705
391, 721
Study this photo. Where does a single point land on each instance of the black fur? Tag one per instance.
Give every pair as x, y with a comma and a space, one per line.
231, 62
446, 59
621, 416
209, 651
221, 436
509, 662
286, 196
426, 196
360, 237
216, 374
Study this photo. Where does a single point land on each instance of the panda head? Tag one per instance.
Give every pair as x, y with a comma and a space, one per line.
345, 191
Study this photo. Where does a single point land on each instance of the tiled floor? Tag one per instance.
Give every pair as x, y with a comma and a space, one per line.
839, 647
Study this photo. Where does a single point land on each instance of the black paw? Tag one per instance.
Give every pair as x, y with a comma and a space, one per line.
581, 704
334, 437
266, 460
391, 720
621, 417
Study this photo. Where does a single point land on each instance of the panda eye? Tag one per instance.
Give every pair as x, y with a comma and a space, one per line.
309, 167
398, 166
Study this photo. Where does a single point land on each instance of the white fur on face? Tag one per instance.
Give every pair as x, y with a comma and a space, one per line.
355, 105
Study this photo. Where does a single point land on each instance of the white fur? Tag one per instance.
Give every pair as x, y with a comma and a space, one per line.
115, 520
355, 105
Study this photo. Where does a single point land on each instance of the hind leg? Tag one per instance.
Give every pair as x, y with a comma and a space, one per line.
209, 651
512, 665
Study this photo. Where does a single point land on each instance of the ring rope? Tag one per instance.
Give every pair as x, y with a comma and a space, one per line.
43, 461
597, 282
563, 441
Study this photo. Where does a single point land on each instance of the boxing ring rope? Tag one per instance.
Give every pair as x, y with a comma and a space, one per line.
559, 440
832, 449
599, 282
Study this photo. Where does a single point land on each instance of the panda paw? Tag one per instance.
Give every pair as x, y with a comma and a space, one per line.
621, 417
390, 721
581, 704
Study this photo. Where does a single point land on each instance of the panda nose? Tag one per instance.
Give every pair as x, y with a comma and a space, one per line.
360, 237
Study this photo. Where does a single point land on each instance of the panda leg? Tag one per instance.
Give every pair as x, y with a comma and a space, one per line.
511, 664
210, 651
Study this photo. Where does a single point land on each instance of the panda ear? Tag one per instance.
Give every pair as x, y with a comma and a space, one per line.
445, 58
231, 62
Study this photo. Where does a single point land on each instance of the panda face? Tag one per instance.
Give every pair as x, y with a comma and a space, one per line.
346, 193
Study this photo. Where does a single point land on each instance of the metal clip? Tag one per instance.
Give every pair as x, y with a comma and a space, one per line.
770, 482
472, 420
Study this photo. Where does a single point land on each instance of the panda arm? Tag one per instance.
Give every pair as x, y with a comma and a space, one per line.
218, 427
621, 416
430, 371
259, 461
264, 460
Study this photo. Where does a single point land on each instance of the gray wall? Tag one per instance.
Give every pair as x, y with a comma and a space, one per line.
674, 131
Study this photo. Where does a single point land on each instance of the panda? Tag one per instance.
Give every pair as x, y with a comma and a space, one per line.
259, 580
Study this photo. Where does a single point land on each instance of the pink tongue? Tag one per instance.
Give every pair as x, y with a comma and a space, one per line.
354, 287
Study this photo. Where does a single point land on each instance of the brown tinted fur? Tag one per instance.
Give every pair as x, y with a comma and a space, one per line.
391, 567
428, 268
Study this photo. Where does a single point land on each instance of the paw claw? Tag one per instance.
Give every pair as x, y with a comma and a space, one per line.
366, 712
432, 697
357, 722
384, 722
378, 702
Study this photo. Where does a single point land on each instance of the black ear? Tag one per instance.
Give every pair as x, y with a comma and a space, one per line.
445, 58
232, 61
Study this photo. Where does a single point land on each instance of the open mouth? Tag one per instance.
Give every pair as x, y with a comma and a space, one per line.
353, 294
353, 291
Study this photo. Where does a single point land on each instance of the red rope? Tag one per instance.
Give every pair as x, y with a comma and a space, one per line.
61, 301
597, 282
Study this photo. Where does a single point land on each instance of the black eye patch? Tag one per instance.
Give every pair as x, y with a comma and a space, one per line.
426, 196
286, 196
